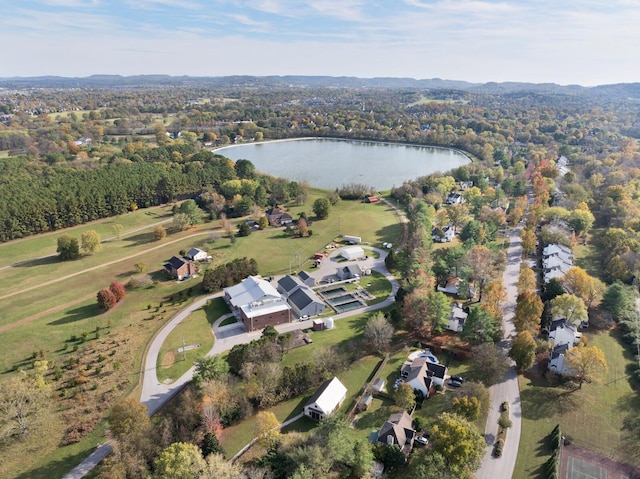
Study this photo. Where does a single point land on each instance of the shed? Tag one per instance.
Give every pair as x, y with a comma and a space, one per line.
318, 324
365, 402
378, 385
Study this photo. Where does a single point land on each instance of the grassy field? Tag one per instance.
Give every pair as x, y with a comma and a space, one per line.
375, 223
195, 329
42, 310
46, 243
593, 417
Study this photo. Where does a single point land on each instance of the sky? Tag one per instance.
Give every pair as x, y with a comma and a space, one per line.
585, 42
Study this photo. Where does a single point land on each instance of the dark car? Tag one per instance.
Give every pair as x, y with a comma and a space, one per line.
460, 379
454, 384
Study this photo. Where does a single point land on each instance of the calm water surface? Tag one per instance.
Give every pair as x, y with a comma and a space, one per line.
328, 163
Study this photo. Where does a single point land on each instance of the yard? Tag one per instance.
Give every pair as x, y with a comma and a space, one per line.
593, 417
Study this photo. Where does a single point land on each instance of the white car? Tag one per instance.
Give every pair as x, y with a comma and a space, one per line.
422, 440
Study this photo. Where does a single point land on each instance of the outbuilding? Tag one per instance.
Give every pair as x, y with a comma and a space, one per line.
352, 253
326, 400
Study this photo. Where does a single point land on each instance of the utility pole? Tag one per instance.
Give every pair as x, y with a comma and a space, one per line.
184, 351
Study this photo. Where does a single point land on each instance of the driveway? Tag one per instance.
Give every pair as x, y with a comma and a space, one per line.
507, 389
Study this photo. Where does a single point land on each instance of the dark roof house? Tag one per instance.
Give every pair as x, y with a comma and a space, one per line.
179, 268
398, 429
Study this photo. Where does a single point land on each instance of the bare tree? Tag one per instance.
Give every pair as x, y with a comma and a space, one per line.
378, 332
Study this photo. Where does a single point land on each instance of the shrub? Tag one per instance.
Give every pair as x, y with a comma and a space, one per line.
497, 451
504, 422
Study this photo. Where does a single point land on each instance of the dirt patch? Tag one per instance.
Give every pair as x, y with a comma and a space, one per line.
168, 359
615, 470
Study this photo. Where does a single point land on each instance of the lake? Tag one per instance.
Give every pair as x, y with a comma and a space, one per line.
331, 163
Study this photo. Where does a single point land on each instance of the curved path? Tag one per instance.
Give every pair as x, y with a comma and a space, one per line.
507, 389
155, 394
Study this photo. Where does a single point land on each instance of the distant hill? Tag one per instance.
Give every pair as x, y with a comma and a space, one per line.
630, 91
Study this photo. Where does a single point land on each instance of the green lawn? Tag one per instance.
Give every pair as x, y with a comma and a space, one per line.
194, 329
275, 251
45, 244
593, 417
588, 258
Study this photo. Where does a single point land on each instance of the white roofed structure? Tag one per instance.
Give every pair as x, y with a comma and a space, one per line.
326, 400
352, 252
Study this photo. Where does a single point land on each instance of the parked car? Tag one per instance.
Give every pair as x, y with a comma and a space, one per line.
454, 384
422, 440
460, 379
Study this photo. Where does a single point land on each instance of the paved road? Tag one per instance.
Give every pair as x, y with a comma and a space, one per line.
155, 394
507, 389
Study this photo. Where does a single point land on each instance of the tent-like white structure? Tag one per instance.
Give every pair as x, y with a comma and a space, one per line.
352, 252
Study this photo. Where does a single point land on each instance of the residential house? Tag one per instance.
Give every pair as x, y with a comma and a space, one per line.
195, 254
180, 268
557, 362
454, 199
564, 336
456, 318
326, 400
277, 216
457, 287
436, 371
563, 332
465, 185
557, 260
351, 271
398, 429
416, 375
257, 303
443, 235
302, 299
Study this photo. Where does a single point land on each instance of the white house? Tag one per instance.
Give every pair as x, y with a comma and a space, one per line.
563, 332
416, 375
352, 252
557, 362
257, 303
326, 400
454, 199
456, 318
443, 235
195, 254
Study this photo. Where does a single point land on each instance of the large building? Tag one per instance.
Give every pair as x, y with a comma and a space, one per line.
257, 304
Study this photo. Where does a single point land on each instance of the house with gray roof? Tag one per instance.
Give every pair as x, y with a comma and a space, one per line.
349, 272
416, 375
307, 279
398, 429
302, 299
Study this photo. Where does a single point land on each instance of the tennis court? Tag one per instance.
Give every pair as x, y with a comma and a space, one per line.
577, 462
578, 469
